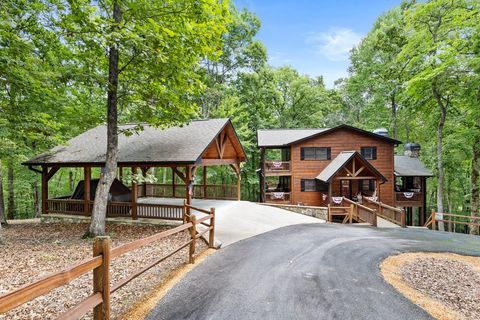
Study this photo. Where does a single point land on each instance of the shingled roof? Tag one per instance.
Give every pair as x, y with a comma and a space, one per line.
406, 166
151, 145
269, 138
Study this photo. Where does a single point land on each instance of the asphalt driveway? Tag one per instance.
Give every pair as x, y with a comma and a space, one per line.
309, 271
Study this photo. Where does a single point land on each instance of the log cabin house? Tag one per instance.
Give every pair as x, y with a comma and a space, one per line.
185, 151
317, 167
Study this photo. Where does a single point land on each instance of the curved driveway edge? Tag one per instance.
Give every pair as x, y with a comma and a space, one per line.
312, 271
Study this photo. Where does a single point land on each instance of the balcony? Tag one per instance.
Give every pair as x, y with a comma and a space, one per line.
277, 197
277, 168
409, 199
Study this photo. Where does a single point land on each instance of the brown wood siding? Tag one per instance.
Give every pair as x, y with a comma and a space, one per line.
340, 140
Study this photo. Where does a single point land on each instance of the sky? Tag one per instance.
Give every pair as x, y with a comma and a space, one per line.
314, 36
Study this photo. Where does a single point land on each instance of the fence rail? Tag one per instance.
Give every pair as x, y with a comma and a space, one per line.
451, 219
352, 211
99, 301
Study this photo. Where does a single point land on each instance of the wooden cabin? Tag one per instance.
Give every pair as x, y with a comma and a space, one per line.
186, 151
317, 167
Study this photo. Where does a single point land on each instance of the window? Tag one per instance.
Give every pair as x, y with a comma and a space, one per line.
315, 153
366, 185
313, 185
369, 153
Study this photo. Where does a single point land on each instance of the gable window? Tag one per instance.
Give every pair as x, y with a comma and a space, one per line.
315, 153
313, 185
369, 153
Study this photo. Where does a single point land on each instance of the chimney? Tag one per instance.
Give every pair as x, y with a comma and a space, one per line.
381, 132
412, 150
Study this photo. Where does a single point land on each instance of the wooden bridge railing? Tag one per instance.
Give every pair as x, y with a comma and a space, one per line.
99, 301
353, 211
451, 219
392, 214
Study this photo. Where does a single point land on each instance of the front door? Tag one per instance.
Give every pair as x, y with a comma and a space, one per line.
346, 188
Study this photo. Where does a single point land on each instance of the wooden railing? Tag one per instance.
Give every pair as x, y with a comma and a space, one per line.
451, 220
117, 209
277, 197
209, 191
99, 300
411, 198
277, 167
392, 214
352, 211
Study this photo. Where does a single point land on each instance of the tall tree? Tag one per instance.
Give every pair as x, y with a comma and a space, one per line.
154, 52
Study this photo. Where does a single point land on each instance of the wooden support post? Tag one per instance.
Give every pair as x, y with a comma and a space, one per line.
374, 218
330, 192
193, 236
44, 190
173, 182
188, 182
204, 182
87, 174
403, 219
120, 174
134, 195
329, 213
433, 220
101, 278
211, 234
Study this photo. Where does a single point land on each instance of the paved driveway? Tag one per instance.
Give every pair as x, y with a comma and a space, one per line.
314, 271
237, 220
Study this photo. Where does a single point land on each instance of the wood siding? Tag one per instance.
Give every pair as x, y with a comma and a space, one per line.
340, 140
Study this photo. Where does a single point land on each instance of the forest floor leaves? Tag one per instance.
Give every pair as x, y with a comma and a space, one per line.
33, 251
446, 285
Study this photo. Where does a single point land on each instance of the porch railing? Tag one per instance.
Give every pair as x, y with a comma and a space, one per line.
277, 167
209, 191
277, 197
117, 209
409, 197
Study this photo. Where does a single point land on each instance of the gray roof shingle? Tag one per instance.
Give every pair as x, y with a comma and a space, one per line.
283, 137
406, 166
335, 165
172, 145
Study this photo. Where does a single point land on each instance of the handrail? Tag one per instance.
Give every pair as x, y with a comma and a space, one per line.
432, 219
99, 264
401, 221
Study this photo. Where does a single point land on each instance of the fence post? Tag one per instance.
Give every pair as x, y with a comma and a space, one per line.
193, 235
101, 277
211, 235
352, 208
184, 211
374, 218
329, 213
403, 218
433, 219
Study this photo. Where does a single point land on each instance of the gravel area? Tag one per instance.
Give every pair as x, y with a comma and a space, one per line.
33, 251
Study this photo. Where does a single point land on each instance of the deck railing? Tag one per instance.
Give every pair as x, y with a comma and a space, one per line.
408, 197
277, 167
209, 191
277, 197
117, 209
99, 300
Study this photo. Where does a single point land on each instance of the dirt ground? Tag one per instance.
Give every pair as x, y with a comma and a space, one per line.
33, 251
446, 285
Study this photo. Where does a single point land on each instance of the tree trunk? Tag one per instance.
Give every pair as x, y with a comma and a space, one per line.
441, 175
10, 198
2, 205
36, 200
394, 116
97, 225
475, 180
